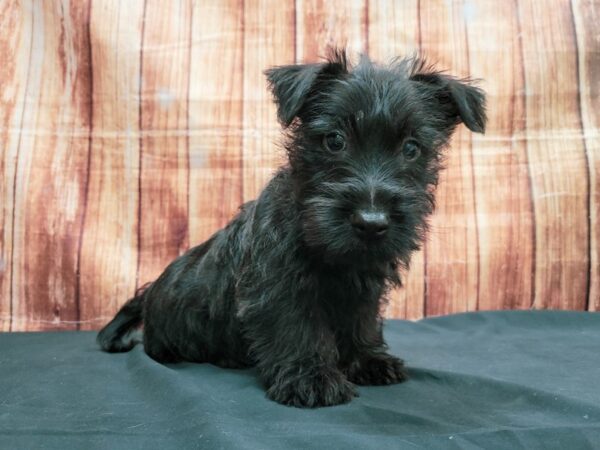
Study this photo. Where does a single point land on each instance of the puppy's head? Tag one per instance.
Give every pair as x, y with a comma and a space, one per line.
364, 145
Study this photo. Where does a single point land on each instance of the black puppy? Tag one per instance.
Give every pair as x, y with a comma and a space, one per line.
294, 283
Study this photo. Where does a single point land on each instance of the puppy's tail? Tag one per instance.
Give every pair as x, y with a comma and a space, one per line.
123, 332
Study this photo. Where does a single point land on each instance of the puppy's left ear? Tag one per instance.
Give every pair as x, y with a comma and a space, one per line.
293, 85
460, 100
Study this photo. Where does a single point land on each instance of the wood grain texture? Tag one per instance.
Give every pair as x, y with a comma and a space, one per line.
109, 249
586, 16
503, 207
269, 40
132, 130
215, 116
15, 51
164, 157
452, 252
321, 24
556, 155
52, 162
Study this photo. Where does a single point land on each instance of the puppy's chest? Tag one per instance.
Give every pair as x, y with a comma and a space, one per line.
346, 295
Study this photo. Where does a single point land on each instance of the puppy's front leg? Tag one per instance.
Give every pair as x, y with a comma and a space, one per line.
296, 355
365, 353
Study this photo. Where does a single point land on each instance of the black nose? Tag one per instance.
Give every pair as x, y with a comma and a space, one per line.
370, 224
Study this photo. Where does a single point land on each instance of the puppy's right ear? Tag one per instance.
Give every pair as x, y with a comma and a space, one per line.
461, 101
293, 85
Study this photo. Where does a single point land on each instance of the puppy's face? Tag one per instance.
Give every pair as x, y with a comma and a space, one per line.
365, 150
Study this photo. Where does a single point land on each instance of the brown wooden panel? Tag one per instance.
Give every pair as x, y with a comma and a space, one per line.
269, 34
15, 52
215, 116
452, 263
52, 168
110, 242
131, 129
503, 204
394, 31
586, 17
556, 154
321, 24
164, 161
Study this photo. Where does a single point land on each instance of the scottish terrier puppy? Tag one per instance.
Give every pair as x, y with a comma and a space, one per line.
294, 284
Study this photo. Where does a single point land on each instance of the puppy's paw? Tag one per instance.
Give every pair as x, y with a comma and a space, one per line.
377, 370
320, 387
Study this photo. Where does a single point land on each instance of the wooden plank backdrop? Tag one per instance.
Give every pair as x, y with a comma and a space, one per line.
132, 130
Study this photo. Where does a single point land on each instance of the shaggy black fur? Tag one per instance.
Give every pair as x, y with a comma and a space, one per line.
294, 284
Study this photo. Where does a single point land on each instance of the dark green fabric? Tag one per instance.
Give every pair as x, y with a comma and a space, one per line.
519, 379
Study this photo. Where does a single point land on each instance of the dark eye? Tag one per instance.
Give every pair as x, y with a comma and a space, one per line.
410, 150
334, 142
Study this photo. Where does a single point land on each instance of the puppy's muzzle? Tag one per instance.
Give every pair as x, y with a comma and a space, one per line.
370, 223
